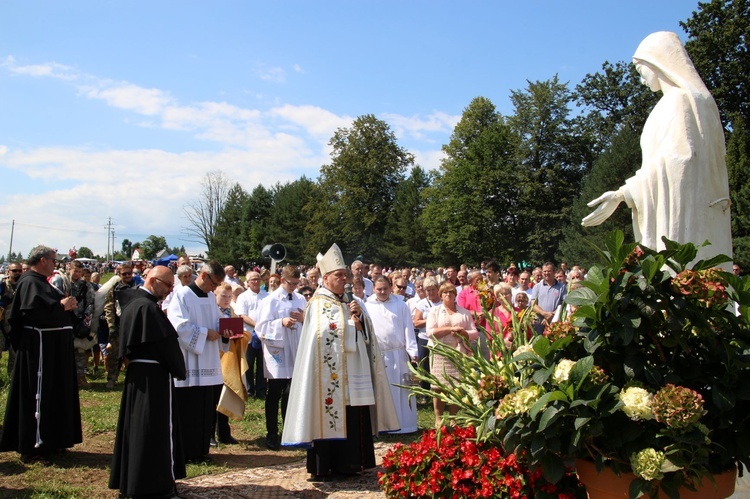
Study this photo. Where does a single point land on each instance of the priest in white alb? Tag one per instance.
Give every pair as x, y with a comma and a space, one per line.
339, 396
394, 329
195, 316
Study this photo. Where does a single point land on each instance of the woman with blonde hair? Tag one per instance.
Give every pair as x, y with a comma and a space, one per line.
449, 325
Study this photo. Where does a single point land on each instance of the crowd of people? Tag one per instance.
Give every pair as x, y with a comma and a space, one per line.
329, 347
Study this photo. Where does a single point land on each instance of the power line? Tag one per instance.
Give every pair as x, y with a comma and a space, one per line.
82, 231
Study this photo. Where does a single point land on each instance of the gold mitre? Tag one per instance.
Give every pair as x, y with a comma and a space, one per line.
332, 260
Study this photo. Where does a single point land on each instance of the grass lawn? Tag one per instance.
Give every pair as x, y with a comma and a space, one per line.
84, 470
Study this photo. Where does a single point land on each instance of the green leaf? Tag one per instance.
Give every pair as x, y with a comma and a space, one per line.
581, 296
585, 312
553, 468
580, 370
549, 416
639, 487
650, 267
541, 346
580, 421
541, 376
614, 241
544, 400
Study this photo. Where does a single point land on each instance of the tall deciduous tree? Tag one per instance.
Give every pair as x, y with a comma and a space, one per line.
358, 187
472, 211
127, 247
617, 105
614, 99
719, 33
151, 246
85, 252
554, 153
203, 213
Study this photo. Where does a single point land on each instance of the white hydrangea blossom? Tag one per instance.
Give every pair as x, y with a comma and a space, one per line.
636, 403
562, 371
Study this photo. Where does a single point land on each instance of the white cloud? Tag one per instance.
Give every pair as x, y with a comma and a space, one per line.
429, 160
51, 69
298, 68
144, 190
276, 74
420, 127
314, 120
148, 101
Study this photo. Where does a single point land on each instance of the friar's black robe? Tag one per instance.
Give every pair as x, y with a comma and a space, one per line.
43, 413
148, 454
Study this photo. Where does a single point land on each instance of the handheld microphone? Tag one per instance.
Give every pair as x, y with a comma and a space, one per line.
348, 295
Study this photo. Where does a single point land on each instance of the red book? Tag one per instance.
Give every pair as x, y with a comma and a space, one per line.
234, 324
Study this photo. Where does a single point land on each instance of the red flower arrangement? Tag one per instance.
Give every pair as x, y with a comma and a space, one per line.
453, 464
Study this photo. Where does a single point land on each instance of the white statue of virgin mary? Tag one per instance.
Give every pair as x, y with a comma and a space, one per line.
681, 190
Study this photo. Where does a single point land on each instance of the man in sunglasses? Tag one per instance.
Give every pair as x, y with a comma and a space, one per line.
112, 312
148, 456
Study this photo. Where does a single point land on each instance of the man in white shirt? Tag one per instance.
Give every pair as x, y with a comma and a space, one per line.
394, 330
279, 325
246, 307
195, 317
230, 275
357, 271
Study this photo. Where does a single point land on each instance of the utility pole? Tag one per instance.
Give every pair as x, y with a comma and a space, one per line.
12, 228
110, 232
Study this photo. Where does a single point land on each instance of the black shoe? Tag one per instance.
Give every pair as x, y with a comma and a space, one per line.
272, 442
319, 478
229, 440
212, 442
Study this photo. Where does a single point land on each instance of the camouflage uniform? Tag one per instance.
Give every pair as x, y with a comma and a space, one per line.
84, 293
112, 312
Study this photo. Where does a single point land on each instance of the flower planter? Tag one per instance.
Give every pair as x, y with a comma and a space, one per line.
607, 485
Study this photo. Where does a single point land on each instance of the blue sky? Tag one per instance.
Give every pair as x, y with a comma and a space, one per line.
119, 109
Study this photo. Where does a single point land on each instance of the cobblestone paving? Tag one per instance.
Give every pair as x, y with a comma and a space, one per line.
283, 481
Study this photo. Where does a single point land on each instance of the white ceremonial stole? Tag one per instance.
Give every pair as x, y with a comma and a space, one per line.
359, 377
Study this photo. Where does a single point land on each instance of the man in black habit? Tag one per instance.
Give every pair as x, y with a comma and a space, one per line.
148, 454
43, 415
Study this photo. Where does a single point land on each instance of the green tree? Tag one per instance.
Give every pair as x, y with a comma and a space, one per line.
151, 246
84, 252
227, 244
472, 209
619, 162
613, 99
405, 235
617, 105
359, 187
554, 152
719, 32
287, 220
127, 247
738, 168
255, 221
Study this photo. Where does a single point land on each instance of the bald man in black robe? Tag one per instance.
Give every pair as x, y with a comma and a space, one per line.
148, 454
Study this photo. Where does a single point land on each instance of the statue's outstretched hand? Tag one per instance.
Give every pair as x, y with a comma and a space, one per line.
608, 203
